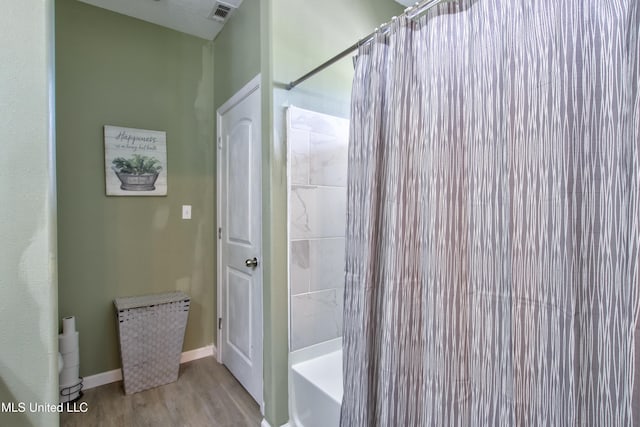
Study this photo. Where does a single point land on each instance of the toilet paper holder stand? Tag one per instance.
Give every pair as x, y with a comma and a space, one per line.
75, 388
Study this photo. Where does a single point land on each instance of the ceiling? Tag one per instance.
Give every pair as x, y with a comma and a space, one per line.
188, 16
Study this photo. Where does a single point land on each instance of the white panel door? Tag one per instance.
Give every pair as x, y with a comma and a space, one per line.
240, 238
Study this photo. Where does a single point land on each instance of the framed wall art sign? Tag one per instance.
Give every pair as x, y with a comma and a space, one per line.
135, 161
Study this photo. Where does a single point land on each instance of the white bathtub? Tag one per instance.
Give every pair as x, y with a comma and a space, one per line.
316, 391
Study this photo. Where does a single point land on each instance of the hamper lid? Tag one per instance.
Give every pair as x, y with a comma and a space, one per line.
126, 303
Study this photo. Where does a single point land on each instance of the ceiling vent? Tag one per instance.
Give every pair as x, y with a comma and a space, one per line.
221, 11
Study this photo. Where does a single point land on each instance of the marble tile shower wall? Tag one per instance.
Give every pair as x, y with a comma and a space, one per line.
317, 145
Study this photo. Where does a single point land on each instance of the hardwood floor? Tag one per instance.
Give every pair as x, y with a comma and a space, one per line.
206, 394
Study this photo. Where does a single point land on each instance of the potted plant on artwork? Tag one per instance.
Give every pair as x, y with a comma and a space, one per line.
137, 173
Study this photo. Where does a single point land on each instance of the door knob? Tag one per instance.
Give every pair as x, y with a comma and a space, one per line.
251, 262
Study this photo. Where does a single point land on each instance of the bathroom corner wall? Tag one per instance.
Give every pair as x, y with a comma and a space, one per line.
317, 155
28, 287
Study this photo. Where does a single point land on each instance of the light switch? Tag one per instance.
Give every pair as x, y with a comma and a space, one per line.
186, 211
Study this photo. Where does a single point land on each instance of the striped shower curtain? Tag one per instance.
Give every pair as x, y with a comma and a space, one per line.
493, 219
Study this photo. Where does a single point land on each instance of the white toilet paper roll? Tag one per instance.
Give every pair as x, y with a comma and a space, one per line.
68, 325
71, 359
69, 375
67, 343
69, 379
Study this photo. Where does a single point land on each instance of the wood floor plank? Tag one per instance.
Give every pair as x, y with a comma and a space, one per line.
206, 394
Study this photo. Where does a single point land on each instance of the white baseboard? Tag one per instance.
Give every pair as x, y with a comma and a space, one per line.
103, 378
198, 353
93, 381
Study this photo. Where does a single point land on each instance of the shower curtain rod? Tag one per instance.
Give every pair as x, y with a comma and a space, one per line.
411, 12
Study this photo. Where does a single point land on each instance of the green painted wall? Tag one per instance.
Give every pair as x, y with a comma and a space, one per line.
237, 51
116, 70
28, 287
275, 307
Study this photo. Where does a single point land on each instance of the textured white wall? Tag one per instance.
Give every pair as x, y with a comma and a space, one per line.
28, 286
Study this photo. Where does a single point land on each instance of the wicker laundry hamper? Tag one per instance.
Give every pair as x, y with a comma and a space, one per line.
151, 331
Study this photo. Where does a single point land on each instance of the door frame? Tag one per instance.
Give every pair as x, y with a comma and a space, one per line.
249, 88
